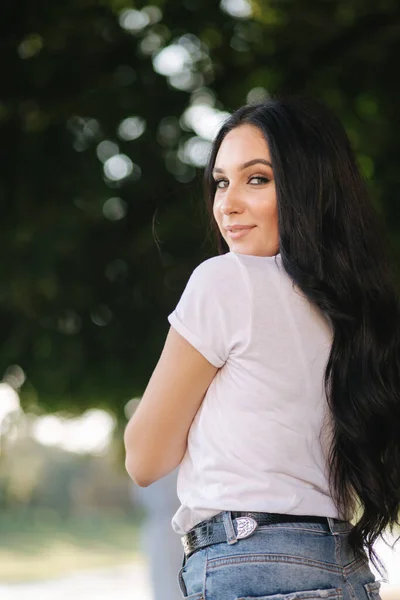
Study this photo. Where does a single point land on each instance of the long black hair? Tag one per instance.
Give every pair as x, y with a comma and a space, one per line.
333, 246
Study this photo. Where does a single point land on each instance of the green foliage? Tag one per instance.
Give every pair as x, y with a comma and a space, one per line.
87, 282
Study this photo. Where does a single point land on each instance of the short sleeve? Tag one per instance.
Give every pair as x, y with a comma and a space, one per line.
211, 310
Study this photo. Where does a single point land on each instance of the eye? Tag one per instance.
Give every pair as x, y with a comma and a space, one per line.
260, 179
218, 181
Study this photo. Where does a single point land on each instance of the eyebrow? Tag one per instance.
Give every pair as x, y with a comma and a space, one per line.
249, 163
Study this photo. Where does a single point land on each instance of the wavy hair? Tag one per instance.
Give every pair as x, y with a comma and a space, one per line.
333, 246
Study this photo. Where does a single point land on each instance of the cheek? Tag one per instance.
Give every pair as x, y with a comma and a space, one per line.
216, 211
267, 215
268, 211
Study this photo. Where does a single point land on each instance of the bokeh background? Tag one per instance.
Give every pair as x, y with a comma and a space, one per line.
107, 112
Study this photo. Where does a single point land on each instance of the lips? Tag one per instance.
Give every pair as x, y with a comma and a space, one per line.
238, 231
238, 227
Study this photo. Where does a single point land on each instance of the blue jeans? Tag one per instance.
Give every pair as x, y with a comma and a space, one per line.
285, 561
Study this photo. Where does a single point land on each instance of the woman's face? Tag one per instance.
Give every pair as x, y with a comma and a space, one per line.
245, 206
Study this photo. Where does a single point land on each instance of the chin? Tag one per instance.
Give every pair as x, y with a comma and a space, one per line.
243, 249
252, 251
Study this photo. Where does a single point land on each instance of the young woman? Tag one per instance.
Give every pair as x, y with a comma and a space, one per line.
278, 389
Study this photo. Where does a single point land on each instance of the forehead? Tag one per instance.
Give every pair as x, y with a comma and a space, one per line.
242, 144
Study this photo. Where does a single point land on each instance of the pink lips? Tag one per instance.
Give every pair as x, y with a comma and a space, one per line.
238, 231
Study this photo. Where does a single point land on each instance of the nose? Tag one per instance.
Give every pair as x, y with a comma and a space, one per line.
230, 203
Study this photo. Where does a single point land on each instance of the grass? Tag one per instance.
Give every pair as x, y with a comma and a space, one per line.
43, 546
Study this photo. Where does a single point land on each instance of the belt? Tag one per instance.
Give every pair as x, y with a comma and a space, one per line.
212, 531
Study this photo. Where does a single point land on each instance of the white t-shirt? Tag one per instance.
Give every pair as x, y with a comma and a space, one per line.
260, 439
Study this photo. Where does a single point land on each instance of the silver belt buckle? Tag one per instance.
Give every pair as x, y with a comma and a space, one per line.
245, 526
185, 544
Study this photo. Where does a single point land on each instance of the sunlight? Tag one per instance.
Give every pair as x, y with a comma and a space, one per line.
89, 433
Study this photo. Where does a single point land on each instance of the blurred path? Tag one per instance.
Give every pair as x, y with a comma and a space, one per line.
129, 581
133, 582
391, 560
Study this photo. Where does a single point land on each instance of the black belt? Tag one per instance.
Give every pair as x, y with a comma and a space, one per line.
212, 531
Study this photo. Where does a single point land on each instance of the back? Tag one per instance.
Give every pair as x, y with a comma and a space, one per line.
260, 438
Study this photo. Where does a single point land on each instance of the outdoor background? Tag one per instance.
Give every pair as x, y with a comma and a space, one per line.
107, 112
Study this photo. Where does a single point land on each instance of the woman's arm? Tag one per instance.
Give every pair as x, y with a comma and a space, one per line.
156, 436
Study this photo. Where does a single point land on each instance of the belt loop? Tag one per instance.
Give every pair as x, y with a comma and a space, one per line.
184, 559
229, 529
332, 526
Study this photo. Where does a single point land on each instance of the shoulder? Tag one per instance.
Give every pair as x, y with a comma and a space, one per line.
218, 272
235, 268
217, 265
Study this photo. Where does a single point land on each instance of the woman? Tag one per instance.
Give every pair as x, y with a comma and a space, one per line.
278, 389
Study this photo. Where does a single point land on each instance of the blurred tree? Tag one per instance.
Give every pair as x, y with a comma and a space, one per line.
102, 120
